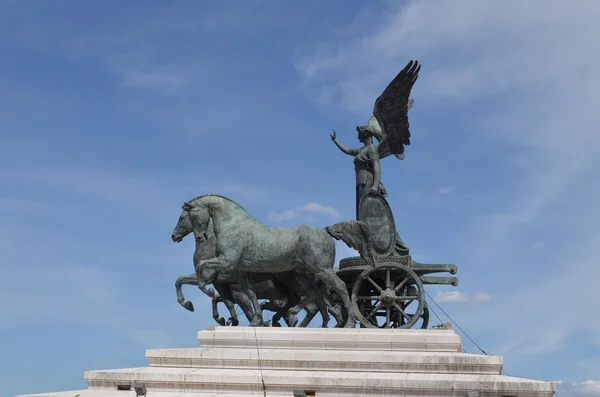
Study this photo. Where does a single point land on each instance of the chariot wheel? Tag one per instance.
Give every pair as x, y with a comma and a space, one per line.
424, 317
389, 295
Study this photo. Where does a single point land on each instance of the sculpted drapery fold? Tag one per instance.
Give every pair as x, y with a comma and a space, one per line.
389, 125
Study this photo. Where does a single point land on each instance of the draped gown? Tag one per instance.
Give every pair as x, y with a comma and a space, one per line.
363, 167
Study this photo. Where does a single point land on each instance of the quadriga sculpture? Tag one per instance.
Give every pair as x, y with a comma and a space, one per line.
245, 246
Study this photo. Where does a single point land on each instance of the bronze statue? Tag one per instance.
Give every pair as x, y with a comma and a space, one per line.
291, 269
389, 125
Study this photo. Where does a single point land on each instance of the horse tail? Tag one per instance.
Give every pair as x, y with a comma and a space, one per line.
356, 235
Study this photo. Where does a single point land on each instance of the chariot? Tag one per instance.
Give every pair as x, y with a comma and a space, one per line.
390, 294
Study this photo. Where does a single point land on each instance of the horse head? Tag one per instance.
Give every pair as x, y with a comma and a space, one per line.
199, 220
184, 226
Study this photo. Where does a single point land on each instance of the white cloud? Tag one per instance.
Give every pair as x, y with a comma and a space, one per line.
535, 67
538, 245
481, 297
587, 388
302, 212
319, 209
446, 189
166, 81
461, 297
284, 216
451, 296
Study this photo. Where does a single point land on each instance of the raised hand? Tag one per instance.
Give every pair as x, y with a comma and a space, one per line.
332, 135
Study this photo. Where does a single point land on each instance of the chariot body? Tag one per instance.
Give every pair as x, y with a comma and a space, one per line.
390, 294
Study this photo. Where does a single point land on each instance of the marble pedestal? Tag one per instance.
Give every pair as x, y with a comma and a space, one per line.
237, 361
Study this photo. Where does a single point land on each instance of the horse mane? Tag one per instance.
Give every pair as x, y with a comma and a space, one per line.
195, 201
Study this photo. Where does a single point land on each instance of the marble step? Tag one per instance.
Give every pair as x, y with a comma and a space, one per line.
326, 360
129, 393
331, 339
324, 383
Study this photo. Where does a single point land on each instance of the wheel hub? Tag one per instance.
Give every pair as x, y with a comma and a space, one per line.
388, 297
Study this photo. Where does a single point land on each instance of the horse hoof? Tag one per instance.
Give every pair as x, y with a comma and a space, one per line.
293, 323
275, 324
221, 322
189, 306
234, 322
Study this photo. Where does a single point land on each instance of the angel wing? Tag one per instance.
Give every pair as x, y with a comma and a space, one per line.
357, 235
391, 111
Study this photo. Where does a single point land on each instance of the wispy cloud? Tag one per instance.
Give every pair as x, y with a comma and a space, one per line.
286, 216
588, 388
451, 296
462, 297
481, 297
167, 81
317, 208
304, 212
446, 189
538, 245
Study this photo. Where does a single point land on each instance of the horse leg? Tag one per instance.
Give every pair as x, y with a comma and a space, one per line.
215, 309
293, 300
331, 280
291, 316
227, 298
317, 303
207, 271
257, 319
242, 300
232, 313
188, 279
335, 310
311, 312
322, 308
274, 305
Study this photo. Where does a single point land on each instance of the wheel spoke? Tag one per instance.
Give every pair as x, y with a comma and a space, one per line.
406, 303
388, 283
406, 315
407, 298
377, 307
367, 298
402, 284
387, 316
369, 279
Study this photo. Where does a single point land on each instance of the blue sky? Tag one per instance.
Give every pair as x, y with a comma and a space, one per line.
112, 114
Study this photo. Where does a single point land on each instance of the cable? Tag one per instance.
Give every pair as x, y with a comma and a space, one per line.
262, 378
457, 326
435, 314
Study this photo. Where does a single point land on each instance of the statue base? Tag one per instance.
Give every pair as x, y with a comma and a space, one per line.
235, 361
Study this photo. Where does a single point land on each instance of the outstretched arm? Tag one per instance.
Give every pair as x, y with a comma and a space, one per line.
344, 149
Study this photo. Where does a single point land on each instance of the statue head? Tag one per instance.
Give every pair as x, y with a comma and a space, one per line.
372, 129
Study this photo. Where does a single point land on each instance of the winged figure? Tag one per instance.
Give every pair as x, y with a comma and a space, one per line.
389, 125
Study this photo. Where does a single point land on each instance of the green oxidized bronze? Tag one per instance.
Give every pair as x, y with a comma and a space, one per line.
289, 270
